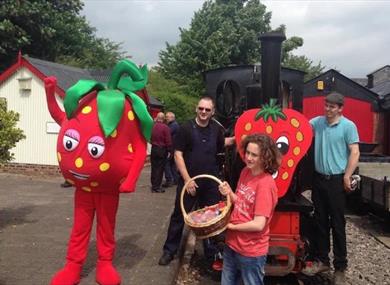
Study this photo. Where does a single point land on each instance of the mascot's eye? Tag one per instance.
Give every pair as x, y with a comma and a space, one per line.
96, 146
95, 150
70, 143
283, 144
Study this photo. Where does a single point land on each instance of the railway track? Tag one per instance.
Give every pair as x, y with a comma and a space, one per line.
368, 254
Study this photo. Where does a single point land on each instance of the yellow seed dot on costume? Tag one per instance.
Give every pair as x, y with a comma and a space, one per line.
78, 162
130, 115
299, 136
114, 134
86, 110
130, 148
243, 137
86, 189
290, 163
70, 181
248, 127
59, 157
296, 150
268, 129
104, 166
294, 122
94, 184
284, 175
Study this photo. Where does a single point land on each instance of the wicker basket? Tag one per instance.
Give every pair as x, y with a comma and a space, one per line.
212, 227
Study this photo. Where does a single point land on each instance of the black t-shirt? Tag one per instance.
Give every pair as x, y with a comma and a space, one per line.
183, 138
200, 146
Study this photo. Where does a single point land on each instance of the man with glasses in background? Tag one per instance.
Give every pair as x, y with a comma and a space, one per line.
196, 146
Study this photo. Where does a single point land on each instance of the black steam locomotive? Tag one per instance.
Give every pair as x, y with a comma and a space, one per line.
236, 89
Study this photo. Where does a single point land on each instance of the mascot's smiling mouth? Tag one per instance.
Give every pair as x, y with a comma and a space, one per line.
79, 176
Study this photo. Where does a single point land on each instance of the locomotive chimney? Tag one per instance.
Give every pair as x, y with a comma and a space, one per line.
271, 47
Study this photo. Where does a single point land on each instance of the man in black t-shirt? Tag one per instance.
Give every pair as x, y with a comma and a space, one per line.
196, 146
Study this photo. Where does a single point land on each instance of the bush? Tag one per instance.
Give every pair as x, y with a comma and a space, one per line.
9, 133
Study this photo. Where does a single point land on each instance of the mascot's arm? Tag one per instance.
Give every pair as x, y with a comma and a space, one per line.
139, 148
57, 114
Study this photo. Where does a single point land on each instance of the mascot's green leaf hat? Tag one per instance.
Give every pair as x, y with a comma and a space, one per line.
126, 78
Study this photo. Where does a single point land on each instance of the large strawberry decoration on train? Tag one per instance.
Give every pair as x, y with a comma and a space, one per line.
290, 130
102, 142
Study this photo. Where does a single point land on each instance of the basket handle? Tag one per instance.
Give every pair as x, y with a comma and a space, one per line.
185, 215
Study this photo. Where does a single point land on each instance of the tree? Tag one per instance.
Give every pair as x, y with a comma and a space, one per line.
221, 33
54, 31
298, 62
9, 133
172, 96
304, 64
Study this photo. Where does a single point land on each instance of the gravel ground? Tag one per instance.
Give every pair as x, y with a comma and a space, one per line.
369, 259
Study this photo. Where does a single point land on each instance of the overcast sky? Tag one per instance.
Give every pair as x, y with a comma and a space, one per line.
350, 36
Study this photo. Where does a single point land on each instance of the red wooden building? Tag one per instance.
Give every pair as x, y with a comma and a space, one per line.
362, 106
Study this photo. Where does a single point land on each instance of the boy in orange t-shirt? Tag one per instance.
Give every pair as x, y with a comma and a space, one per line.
247, 236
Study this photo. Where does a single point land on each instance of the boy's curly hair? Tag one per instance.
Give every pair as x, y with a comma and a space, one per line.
269, 152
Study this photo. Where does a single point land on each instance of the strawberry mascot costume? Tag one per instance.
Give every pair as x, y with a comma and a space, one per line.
101, 150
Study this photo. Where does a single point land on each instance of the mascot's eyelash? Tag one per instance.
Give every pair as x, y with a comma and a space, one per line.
73, 134
96, 140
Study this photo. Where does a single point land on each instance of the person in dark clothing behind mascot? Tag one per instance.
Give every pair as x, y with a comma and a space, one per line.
161, 149
196, 146
170, 170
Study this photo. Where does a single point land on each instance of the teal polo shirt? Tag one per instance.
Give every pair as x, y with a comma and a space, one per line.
331, 151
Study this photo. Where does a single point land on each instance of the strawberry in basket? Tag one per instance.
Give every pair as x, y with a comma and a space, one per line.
208, 221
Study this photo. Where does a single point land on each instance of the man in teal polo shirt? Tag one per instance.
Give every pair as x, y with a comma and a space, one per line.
336, 155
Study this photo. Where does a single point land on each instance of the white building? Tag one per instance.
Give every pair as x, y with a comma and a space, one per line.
21, 85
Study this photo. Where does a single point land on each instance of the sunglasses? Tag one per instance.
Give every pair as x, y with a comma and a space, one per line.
204, 109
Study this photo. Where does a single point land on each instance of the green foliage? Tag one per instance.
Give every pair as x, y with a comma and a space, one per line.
172, 96
54, 31
301, 63
221, 33
9, 133
304, 64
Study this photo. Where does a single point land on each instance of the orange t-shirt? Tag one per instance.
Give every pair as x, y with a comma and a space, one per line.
256, 196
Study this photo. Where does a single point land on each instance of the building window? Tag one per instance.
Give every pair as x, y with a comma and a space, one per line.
25, 83
52, 128
25, 86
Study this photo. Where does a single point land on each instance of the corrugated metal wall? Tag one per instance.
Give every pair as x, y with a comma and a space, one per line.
39, 147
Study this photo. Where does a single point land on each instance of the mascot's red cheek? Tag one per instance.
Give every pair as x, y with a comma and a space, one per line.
84, 166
